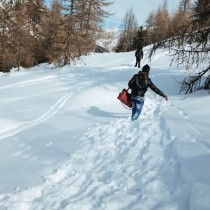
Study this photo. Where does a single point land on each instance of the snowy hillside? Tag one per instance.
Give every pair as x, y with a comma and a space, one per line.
67, 143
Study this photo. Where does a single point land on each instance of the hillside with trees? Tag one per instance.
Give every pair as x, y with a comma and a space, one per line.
190, 44
31, 33
159, 25
185, 33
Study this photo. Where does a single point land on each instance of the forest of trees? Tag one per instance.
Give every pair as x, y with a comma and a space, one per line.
190, 44
159, 25
185, 32
31, 33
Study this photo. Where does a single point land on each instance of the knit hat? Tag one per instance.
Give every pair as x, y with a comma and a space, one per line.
146, 68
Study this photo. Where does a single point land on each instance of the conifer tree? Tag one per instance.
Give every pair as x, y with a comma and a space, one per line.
35, 12
81, 23
158, 24
53, 32
128, 32
6, 58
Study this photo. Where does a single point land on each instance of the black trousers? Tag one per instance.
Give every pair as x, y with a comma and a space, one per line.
138, 61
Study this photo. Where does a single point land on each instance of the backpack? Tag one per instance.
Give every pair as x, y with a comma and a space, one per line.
132, 82
137, 81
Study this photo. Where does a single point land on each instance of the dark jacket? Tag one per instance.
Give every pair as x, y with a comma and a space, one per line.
139, 84
139, 54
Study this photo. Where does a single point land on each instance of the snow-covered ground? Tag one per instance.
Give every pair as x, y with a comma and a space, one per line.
67, 143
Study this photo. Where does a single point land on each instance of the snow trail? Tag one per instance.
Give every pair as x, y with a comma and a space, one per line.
80, 150
122, 165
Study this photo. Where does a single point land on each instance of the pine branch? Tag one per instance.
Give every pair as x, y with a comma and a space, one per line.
193, 83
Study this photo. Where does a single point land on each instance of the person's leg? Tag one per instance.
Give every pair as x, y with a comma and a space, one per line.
133, 100
136, 63
137, 108
139, 63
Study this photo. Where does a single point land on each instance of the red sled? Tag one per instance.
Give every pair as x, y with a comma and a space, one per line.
125, 98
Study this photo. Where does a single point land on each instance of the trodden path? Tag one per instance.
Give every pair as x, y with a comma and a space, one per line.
122, 165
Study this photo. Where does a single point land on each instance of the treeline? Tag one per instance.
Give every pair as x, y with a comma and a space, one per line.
185, 32
190, 45
31, 33
159, 25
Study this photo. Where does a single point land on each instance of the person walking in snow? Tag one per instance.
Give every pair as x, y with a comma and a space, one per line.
139, 55
139, 84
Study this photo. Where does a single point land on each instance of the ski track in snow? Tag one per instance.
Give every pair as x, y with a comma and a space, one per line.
35, 95
29, 82
57, 106
107, 174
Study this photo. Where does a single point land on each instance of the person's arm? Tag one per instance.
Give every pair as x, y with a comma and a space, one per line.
156, 90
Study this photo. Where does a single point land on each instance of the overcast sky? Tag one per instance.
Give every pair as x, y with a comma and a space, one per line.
141, 9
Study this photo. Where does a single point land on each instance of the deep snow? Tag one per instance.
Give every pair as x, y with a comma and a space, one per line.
67, 143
